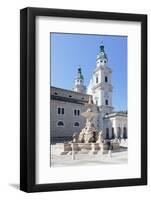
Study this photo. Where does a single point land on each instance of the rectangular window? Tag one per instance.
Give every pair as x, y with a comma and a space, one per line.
60, 111
106, 102
77, 112
97, 80
106, 79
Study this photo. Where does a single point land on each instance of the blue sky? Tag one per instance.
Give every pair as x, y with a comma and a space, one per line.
70, 50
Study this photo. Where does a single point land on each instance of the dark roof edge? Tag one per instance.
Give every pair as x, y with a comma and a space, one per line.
69, 91
66, 99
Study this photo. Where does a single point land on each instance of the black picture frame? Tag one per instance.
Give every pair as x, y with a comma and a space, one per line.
28, 99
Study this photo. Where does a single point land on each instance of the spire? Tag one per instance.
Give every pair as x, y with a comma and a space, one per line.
79, 75
101, 54
101, 47
79, 82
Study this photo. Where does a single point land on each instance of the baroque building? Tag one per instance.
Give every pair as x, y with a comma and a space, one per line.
67, 105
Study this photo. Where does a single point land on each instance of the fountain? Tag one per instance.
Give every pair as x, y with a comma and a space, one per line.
89, 140
89, 133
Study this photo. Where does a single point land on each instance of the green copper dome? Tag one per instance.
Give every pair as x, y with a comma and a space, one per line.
101, 54
79, 75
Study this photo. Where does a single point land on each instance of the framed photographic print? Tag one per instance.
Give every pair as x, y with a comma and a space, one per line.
83, 99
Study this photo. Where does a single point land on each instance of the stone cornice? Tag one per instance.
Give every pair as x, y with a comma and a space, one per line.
115, 114
103, 85
102, 68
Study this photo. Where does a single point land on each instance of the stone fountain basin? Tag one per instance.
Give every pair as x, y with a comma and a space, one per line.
65, 148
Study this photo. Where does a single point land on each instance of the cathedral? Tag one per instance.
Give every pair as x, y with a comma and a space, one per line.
67, 105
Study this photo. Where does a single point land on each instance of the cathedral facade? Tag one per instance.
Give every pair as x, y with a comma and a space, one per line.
67, 105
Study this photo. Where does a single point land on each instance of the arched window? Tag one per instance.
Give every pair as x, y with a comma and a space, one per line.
97, 79
76, 124
106, 102
106, 79
113, 136
124, 132
107, 133
119, 132
60, 123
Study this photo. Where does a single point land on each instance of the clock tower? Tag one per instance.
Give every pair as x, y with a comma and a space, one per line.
100, 86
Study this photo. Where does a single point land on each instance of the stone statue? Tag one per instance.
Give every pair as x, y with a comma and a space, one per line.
75, 138
100, 138
89, 134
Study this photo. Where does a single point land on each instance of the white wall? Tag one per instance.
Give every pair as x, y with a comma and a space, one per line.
9, 98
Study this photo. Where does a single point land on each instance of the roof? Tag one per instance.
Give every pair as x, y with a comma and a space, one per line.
68, 91
68, 99
79, 75
116, 114
68, 95
101, 54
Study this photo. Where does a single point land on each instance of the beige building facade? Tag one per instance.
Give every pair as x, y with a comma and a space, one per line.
66, 109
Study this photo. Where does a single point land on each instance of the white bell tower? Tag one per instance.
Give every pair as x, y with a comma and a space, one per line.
100, 86
79, 82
